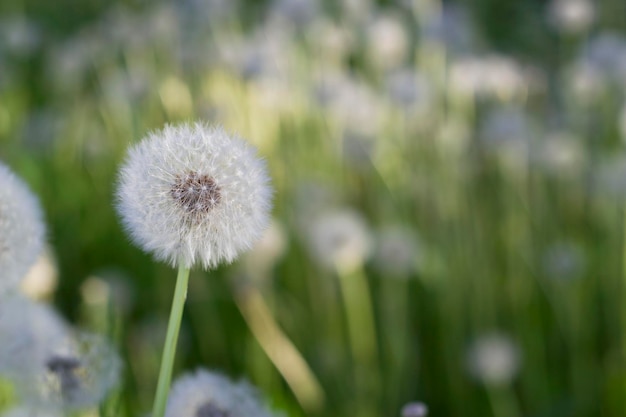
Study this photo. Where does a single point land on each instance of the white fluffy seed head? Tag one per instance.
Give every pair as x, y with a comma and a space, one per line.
493, 359
77, 373
51, 366
209, 394
192, 194
21, 230
340, 239
27, 331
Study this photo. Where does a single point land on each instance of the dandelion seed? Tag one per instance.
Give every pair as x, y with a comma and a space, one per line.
193, 194
209, 394
21, 230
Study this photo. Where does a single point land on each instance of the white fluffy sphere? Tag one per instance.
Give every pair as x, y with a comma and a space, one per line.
21, 229
191, 194
205, 394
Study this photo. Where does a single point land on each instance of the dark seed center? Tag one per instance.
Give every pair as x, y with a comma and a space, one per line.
196, 193
60, 364
65, 367
211, 410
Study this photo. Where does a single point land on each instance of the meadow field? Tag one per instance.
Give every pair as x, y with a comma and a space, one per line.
449, 186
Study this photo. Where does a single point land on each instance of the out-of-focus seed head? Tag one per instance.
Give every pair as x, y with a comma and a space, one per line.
340, 240
76, 373
416, 409
28, 330
21, 230
209, 394
493, 359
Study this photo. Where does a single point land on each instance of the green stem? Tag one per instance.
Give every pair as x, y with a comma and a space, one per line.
169, 351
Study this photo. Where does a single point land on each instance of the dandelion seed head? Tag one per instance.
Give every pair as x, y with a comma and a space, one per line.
21, 230
209, 394
77, 373
493, 359
194, 194
571, 16
27, 330
340, 239
416, 409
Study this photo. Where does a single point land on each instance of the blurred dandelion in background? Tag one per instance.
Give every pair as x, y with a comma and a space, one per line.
21, 229
204, 393
493, 359
415, 409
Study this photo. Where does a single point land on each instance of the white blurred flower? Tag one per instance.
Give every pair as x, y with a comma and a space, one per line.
388, 42
50, 366
21, 230
492, 76
77, 372
571, 16
398, 251
340, 239
493, 359
560, 154
355, 106
415, 409
209, 394
584, 81
193, 194
262, 54
27, 330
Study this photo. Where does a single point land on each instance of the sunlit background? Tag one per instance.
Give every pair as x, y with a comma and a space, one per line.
449, 178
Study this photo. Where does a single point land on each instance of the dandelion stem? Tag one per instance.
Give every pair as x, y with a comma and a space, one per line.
169, 351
